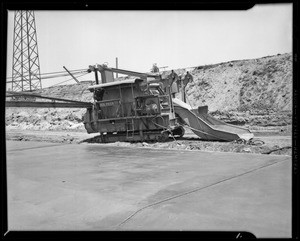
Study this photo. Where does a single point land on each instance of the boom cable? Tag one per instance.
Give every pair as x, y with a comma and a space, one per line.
68, 80
54, 76
77, 70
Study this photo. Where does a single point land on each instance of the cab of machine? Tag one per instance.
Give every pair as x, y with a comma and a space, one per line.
126, 98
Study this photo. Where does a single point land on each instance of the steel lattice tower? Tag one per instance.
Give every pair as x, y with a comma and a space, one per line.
26, 74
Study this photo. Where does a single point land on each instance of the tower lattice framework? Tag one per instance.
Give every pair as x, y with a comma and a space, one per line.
26, 74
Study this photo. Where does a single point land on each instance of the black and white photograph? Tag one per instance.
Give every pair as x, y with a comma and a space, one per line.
150, 120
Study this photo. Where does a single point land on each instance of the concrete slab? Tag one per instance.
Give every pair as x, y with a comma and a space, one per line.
22, 145
250, 204
99, 187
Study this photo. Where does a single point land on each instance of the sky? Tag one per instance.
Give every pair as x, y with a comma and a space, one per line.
177, 39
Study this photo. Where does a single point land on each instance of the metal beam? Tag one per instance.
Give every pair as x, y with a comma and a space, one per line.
117, 66
26, 63
22, 93
126, 72
71, 74
11, 93
37, 104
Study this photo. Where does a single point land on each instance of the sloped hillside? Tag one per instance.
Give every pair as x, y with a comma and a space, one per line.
256, 92
244, 85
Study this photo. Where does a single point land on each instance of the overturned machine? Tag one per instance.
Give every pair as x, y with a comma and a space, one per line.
139, 107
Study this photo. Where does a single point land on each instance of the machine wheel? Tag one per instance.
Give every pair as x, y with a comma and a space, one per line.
178, 131
103, 138
164, 136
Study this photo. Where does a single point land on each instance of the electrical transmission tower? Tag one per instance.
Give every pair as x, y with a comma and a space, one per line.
26, 74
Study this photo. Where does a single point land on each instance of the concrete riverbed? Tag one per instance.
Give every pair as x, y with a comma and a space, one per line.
59, 186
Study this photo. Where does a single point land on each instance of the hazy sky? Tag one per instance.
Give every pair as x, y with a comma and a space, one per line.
77, 39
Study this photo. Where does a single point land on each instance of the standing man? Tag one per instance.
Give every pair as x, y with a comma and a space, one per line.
187, 79
155, 69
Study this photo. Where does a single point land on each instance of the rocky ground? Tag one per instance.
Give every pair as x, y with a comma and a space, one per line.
255, 93
268, 142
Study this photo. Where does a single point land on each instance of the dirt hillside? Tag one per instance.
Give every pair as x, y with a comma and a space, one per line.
255, 92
